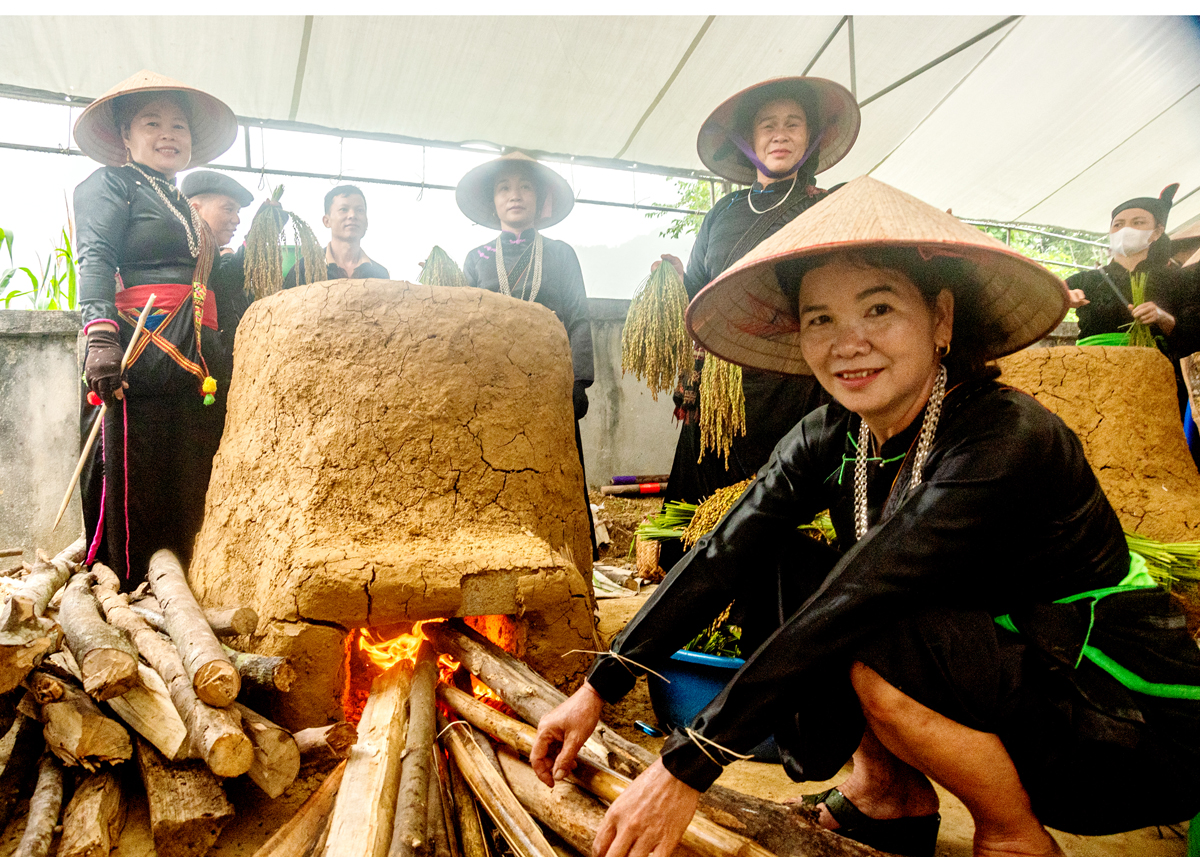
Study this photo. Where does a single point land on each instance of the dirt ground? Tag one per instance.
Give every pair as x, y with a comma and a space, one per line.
621, 516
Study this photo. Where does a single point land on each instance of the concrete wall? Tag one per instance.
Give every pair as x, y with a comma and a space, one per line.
39, 429
625, 431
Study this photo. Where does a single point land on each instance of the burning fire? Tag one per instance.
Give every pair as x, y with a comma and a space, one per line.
370, 653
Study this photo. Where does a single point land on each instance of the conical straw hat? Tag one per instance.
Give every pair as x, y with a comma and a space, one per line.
476, 194
839, 119
743, 316
213, 125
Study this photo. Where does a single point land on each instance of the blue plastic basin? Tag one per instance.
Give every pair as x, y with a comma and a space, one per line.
695, 678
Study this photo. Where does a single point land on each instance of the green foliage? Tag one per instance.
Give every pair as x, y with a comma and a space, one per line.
55, 288
693, 195
720, 638
1049, 249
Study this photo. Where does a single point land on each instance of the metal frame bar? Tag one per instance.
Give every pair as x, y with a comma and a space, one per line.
1004, 224
824, 45
853, 69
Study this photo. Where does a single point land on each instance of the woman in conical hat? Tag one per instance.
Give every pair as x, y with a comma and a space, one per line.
979, 622
520, 197
137, 235
775, 137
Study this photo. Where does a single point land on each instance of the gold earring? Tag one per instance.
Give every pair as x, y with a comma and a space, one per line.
943, 350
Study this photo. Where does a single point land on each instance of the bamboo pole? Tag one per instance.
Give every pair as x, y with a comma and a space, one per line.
91, 441
411, 825
519, 830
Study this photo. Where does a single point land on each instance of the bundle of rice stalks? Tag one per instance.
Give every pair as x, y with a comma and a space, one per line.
264, 250
1139, 334
711, 511
655, 345
440, 270
722, 406
668, 523
1169, 563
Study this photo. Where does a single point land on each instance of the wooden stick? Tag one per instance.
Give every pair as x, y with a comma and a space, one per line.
44, 808
231, 621
276, 756
44, 687
366, 805
188, 807
22, 764
437, 841
445, 797
411, 824
213, 676
777, 828
146, 708
106, 655
214, 734
79, 733
266, 672
25, 636
93, 820
87, 447
299, 831
566, 809
325, 743
519, 830
470, 826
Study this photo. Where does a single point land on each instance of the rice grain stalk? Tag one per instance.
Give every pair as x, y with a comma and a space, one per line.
1139, 334
712, 510
310, 251
264, 257
655, 345
722, 406
440, 270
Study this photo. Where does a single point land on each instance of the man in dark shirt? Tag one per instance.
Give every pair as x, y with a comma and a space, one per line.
346, 219
218, 200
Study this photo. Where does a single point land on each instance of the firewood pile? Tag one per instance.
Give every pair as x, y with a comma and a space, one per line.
91, 677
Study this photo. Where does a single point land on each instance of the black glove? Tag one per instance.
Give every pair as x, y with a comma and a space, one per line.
102, 368
580, 400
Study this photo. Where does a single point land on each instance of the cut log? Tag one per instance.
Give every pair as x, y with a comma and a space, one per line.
146, 708
50, 575
106, 655
43, 686
781, 829
266, 672
471, 837
300, 831
79, 733
366, 804
44, 808
325, 743
276, 756
188, 807
519, 830
25, 636
411, 825
231, 621
214, 734
93, 820
213, 676
566, 809
437, 841
442, 817
17, 777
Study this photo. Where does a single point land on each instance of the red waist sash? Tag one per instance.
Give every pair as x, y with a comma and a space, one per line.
168, 297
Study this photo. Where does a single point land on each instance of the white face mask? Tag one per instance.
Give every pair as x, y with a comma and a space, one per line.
1129, 241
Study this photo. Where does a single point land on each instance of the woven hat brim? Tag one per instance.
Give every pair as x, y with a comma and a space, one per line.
839, 111
744, 317
213, 124
475, 193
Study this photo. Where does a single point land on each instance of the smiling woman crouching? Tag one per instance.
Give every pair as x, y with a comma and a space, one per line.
980, 621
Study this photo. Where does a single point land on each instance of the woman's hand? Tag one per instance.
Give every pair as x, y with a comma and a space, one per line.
1076, 298
562, 732
649, 817
102, 367
674, 260
1151, 313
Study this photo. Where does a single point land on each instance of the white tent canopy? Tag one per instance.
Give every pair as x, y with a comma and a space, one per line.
1043, 119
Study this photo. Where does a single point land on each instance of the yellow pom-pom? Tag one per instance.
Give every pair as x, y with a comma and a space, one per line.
210, 385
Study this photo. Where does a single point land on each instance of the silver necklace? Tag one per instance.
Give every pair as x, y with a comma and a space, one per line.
750, 197
535, 278
933, 412
192, 229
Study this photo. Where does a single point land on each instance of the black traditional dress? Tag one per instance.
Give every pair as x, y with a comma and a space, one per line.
158, 442
774, 403
561, 290
1009, 518
1175, 290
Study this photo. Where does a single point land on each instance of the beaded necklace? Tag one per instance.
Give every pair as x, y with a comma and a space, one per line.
933, 412
534, 280
191, 229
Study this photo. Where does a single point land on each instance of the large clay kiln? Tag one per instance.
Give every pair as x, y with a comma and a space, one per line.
397, 452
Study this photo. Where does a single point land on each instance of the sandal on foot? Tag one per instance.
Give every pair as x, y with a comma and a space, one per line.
913, 836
